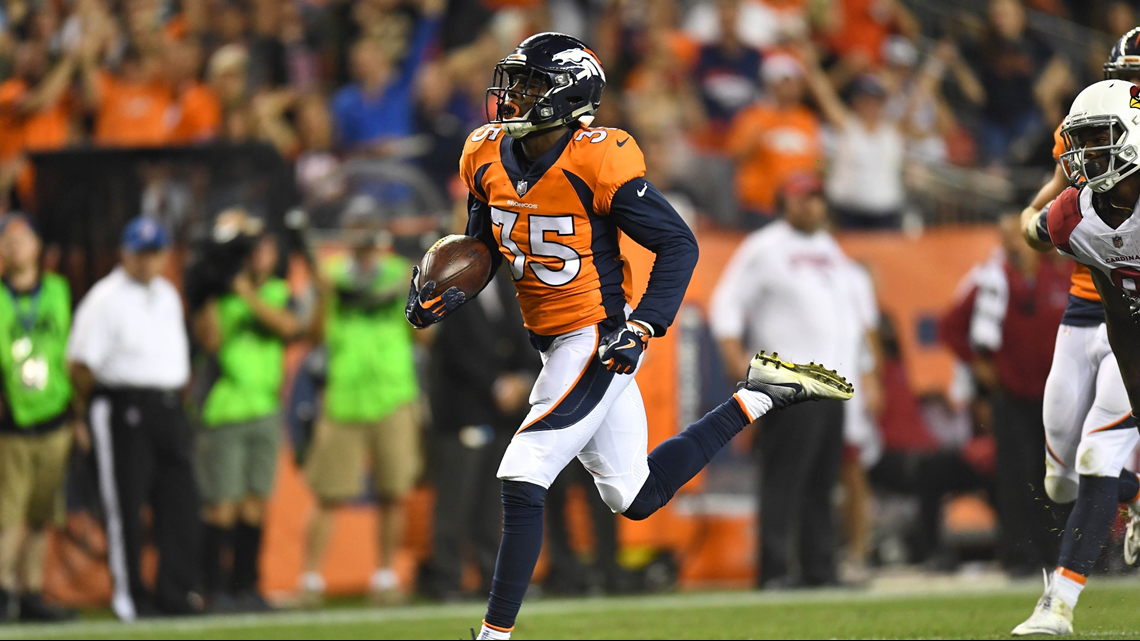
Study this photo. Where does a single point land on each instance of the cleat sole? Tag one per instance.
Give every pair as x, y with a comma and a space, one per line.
819, 373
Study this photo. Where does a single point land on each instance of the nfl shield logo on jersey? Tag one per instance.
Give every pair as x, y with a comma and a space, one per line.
521, 186
1117, 242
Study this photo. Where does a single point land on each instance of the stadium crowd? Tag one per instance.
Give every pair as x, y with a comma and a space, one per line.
838, 115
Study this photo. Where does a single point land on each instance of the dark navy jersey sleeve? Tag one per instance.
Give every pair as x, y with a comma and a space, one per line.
1043, 226
479, 226
642, 212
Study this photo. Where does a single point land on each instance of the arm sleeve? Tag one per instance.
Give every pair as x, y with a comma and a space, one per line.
479, 226
642, 212
727, 316
863, 298
1043, 227
954, 327
88, 343
426, 28
1062, 217
1122, 334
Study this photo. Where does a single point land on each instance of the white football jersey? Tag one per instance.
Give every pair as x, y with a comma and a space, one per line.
1078, 232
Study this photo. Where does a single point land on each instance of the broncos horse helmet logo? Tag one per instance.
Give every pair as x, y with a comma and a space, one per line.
586, 60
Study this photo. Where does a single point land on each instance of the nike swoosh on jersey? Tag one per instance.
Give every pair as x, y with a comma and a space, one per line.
641, 192
621, 143
632, 343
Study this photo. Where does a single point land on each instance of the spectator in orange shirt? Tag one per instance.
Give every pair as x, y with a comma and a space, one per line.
134, 107
771, 141
198, 111
35, 114
33, 103
863, 27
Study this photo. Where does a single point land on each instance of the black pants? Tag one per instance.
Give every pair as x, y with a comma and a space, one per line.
1031, 524
143, 447
930, 476
468, 512
800, 452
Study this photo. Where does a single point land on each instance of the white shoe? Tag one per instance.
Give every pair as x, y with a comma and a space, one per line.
1132, 541
788, 383
384, 588
1051, 616
312, 590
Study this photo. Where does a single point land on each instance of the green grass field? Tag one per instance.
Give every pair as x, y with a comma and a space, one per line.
1106, 610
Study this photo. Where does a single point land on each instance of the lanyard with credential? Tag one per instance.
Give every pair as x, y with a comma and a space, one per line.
27, 319
33, 368
22, 348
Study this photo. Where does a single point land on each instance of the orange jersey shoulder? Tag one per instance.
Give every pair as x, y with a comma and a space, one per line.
605, 158
480, 149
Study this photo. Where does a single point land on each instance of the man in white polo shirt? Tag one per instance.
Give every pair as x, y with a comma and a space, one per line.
789, 286
130, 359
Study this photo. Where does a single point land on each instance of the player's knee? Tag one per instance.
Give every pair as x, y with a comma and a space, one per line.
638, 512
1060, 489
613, 497
649, 499
1093, 461
522, 499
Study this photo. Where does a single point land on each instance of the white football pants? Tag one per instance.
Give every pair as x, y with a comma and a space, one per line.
579, 409
1085, 405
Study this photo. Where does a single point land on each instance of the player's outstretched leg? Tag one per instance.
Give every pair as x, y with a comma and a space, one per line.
771, 384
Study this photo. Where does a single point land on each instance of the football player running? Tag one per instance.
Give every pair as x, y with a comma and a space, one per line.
1093, 223
552, 197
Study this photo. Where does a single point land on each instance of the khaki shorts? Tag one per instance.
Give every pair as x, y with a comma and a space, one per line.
238, 459
339, 452
32, 470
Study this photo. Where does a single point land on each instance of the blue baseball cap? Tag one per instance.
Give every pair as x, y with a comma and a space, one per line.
144, 234
15, 217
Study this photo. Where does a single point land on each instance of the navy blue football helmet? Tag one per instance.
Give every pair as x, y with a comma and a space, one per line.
1125, 56
550, 80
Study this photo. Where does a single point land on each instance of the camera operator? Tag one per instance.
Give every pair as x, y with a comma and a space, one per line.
35, 317
243, 333
370, 398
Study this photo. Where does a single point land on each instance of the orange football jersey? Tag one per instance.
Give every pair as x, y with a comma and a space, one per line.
551, 222
1082, 279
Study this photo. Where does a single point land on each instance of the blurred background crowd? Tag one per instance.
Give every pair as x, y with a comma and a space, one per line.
885, 122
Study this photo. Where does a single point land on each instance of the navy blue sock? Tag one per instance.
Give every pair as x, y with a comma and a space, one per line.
1129, 486
1090, 523
518, 551
677, 460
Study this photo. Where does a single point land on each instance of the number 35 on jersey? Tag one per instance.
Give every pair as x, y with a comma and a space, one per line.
550, 221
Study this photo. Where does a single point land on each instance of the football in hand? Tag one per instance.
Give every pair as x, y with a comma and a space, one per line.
456, 261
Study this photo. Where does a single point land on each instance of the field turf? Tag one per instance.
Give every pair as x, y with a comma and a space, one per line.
1108, 609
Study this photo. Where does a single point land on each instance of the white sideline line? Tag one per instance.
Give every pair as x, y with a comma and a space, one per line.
475, 610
